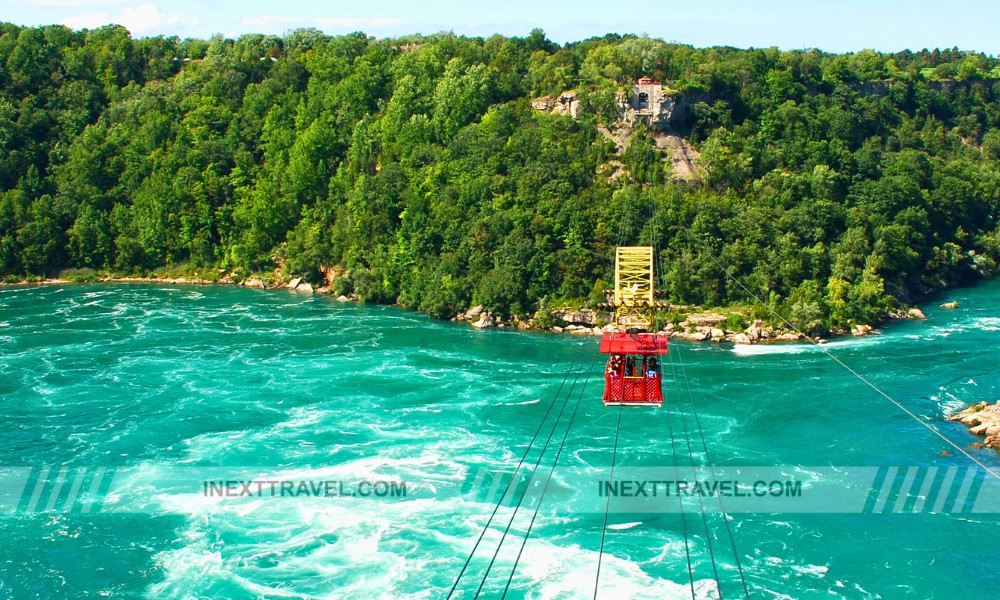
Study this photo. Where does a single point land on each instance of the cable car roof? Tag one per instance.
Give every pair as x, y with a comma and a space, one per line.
640, 343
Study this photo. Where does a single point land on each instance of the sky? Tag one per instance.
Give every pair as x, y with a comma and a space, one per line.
840, 26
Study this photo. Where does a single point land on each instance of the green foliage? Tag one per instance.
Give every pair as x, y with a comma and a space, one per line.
735, 322
418, 168
84, 275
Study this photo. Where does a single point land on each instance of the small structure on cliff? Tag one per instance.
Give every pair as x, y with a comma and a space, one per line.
649, 103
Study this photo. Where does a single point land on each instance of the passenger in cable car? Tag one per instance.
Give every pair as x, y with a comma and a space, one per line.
629, 367
615, 366
652, 368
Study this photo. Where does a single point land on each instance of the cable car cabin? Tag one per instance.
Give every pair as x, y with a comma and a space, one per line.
633, 373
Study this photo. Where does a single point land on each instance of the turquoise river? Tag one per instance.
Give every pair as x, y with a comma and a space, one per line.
218, 442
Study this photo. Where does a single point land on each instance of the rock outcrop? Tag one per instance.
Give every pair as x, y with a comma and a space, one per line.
982, 419
485, 320
861, 330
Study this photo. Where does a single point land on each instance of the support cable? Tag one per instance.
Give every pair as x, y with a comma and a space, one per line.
711, 470
520, 463
701, 504
864, 379
607, 505
531, 475
545, 488
677, 477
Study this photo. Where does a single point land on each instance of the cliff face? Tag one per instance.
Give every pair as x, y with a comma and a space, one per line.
564, 104
649, 104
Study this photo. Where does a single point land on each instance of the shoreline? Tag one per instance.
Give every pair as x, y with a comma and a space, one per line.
698, 325
982, 419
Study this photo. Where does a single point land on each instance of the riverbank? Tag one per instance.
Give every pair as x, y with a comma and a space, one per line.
691, 323
982, 419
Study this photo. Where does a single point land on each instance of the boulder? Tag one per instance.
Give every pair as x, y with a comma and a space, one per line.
557, 329
255, 283
861, 330
584, 316
741, 338
304, 287
485, 321
916, 313
343, 298
294, 283
950, 305
753, 333
474, 312
698, 336
789, 337
717, 334
981, 419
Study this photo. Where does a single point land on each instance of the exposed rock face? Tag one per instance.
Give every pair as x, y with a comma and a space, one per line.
789, 337
584, 316
564, 104
485, 320
741, 338
755, 332
861, 330
982, 419
706, 319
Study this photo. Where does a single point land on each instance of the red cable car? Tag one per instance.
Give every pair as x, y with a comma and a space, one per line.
633, 373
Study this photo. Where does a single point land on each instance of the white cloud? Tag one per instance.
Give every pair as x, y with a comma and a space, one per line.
87, 21
146, 18
139, 20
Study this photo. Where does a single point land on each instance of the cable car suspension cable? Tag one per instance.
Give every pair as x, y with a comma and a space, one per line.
711, 470
680, 498
694, 471
607, 505
548, 479
520, 463
864, 379
531, 475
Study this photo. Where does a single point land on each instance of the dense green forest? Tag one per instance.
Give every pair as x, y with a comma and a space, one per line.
836, 187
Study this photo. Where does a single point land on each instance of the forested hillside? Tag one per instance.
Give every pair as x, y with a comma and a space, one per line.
834, 186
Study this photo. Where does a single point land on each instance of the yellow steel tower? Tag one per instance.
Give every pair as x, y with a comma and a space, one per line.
634, 287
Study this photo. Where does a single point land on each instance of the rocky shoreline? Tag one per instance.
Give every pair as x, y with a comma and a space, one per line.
982, 419
696, 326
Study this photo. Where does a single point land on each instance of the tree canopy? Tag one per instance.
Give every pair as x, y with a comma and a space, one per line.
835, 187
